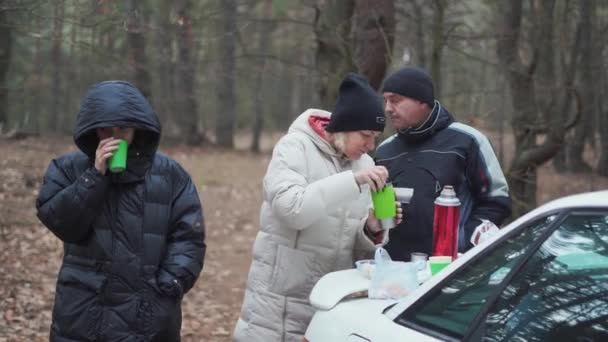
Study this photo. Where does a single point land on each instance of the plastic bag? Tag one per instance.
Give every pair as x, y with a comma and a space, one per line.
484, 232
392, 279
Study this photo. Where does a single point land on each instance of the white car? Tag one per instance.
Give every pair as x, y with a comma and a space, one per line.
544, 277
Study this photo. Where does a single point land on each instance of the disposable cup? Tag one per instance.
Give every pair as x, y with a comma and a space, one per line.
118, 161
437, 263
419, 259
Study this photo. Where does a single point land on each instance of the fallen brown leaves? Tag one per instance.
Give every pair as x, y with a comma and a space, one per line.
229, 186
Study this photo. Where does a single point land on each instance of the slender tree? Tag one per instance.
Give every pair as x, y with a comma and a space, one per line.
224, 131
584, 130
57, 66
533, 115
188, 107
373, 37
265, 29
5, 61
438, 43
166, 65
136, 47
334, 56
602, 165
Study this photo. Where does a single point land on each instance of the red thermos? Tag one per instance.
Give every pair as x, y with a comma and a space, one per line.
445, 223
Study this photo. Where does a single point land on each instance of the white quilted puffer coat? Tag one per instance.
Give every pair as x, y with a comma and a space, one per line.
312, 223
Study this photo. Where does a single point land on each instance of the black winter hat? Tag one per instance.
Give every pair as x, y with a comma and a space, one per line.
411, 82
358, 107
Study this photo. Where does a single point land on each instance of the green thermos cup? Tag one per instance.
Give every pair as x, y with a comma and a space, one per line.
118, 162
384, 206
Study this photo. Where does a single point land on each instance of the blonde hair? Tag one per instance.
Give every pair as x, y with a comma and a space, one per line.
339, 141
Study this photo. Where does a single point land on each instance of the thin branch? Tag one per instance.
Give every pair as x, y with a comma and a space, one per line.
279, 59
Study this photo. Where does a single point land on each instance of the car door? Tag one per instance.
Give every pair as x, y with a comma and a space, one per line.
560, 293
544, 282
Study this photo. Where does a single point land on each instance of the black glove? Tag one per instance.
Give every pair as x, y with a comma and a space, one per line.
172, 289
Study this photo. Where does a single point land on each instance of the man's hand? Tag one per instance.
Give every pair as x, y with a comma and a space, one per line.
399, 216
375, 176
373, 224
105, 150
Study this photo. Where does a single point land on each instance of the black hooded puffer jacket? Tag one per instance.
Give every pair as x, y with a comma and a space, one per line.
134, 241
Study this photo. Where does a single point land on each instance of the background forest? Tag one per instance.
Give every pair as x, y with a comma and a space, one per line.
215, 69
227, 77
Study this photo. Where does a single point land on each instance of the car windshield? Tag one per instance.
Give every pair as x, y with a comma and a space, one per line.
562, 291
559, 293
451, 308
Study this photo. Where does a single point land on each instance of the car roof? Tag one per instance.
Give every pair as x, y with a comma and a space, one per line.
587, 199
595, 199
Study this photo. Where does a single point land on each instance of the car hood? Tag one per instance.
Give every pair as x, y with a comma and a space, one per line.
361, 317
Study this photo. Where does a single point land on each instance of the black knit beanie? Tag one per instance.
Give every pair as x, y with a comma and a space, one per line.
411, 82
358, 108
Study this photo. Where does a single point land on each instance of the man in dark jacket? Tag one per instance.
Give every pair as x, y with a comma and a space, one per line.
134, 242
429, 151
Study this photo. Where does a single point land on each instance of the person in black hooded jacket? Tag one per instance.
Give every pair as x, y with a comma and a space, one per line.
429, 151
134, 242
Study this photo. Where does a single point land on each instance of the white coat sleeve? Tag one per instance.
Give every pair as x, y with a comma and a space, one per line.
295, 200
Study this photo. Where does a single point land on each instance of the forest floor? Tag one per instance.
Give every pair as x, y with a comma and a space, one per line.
229, 184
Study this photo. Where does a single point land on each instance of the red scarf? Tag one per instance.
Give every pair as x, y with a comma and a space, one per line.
318, 124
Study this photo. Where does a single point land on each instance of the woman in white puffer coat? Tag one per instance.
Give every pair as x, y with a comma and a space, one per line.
316, 215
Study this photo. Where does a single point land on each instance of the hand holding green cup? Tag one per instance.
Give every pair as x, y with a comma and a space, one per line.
118, 162
384, 206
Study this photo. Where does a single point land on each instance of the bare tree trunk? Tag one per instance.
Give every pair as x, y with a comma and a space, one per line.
35, 88
584, 131
225, 122
420, 42
166, 68
136, 47
106, 39
5, 61
560, 162
374, 36
529, 155
263, 43
602, 165
57, 67
73, 74
188, 107
334, 57
438, 43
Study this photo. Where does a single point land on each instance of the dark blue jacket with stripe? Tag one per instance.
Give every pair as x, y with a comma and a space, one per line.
443, 152
134, 242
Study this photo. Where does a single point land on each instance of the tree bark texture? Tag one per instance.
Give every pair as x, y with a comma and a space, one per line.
137, 48
226, 114
265, 28
57, 67
188, 106
166, 65
334, 56
529, 110
373, 38
584, 130
438, 43
5, 61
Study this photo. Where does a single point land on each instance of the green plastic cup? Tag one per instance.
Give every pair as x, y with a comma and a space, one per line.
118, 161
437, 263
384, 206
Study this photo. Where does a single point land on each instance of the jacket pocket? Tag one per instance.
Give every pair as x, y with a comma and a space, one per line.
295, 273
77, 311
160, 313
